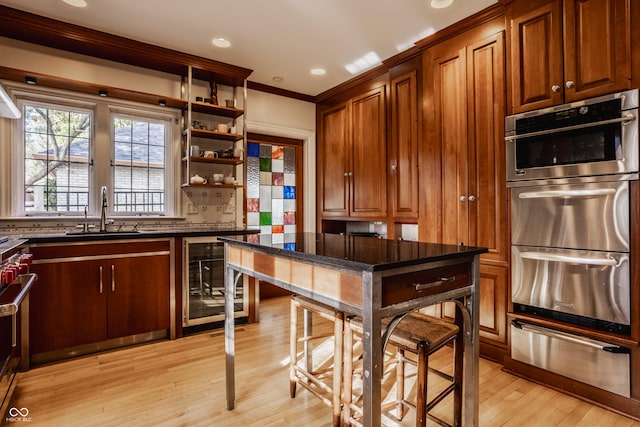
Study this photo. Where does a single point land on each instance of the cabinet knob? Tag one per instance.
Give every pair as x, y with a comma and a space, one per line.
472, 198
570, 84
463, 198
555, 88
394, 167
346, 174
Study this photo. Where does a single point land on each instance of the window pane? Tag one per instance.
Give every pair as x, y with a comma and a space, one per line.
57, 143
139, 172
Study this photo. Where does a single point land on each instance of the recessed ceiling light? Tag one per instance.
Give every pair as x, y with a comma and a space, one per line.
318, 71
221, 42
277, 79
76, 3
439, 4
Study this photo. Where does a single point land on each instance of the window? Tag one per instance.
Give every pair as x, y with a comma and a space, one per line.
138, 165
71, 147
57, 143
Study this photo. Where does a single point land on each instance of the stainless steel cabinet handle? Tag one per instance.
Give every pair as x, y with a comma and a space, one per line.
628, 118
569, 337
113, 278
570, 84
566, 193
555, 88
101, 287
423, 286
544, 256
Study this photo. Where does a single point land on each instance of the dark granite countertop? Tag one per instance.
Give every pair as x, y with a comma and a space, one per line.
142, 234
365, 253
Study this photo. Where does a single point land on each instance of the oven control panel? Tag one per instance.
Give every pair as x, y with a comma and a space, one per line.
14, 266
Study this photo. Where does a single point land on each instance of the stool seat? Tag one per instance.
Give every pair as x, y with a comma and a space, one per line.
422, 335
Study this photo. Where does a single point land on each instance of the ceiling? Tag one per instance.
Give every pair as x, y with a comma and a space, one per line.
274, 38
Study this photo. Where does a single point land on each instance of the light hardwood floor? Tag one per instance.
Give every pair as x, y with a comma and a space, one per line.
181, 383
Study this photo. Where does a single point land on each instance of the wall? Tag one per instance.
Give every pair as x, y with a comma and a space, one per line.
266, 113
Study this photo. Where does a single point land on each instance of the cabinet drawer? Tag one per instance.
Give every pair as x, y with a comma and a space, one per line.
405, 287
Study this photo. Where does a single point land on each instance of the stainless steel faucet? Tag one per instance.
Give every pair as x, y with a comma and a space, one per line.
103, 210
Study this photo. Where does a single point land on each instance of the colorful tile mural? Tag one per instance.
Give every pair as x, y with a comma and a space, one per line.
271, 189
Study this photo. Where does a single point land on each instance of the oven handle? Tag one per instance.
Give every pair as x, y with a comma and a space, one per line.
12, 308
566, 193
544, 256
569, 337
625, 120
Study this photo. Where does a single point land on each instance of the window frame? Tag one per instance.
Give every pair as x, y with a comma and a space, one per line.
101, 134
169, 170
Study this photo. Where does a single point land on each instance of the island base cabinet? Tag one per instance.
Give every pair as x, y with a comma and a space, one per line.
83, 300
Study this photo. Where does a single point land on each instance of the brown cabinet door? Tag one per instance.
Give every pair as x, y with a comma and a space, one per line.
67, 307
596, 48
493, 303
334, 159
486, 111
368, 178
138, 295
536, 55
450, 131
403, 147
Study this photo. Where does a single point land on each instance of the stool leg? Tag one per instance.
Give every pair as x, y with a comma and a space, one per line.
293, 349
400, 384
421, 389
337, 367
458, 353
348, 373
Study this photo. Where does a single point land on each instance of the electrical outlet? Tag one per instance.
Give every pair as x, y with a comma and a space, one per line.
192, 208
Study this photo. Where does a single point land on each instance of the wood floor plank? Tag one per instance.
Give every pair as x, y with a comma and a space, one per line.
181, 383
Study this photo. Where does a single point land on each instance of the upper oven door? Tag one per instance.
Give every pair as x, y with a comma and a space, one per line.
596, 137
591, 216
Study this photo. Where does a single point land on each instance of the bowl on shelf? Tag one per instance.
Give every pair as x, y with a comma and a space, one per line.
218, 178
229, 180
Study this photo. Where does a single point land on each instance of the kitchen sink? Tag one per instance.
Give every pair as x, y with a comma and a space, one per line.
101, 233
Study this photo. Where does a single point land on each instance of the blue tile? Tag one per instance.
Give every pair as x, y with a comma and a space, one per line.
289, 192
253, 149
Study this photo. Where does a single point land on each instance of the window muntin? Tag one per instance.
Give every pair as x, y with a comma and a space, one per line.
57, 144
139, 164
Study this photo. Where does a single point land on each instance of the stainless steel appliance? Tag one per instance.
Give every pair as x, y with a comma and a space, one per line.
568, 170
590, 361
15, 284
586, 138
203, 284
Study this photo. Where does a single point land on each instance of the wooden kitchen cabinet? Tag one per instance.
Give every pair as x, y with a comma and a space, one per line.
352, 156
463, 194
403, 144
92, 293
567, 50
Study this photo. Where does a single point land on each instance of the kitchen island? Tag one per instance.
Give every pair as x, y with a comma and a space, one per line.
367, 277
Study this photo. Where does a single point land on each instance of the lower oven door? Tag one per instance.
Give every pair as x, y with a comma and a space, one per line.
600, 364
559, 215
590, 284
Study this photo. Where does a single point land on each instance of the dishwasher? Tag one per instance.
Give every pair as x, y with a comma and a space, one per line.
203, 286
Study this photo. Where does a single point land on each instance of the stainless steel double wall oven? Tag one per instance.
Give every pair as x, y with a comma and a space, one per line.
569, 169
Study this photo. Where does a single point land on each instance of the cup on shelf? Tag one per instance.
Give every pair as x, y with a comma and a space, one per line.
199, 99
209, 154
195, 151
232, 129
228, 103
222, 128
218, 178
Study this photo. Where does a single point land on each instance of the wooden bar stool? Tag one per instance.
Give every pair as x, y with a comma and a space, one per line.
421, 335
308, 376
